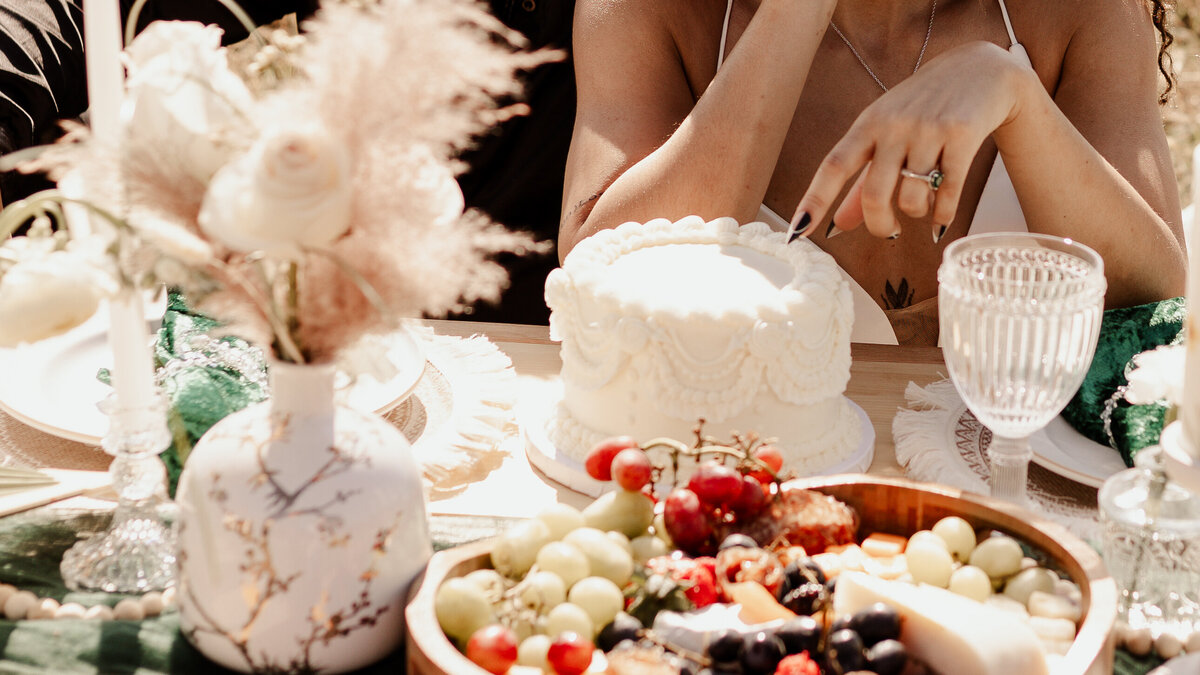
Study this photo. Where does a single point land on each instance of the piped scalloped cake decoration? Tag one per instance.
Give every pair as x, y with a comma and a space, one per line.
705, 313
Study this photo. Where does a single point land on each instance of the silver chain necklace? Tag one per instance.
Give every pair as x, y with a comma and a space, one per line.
928, 32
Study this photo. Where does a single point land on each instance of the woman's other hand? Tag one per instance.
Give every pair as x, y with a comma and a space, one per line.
934, 121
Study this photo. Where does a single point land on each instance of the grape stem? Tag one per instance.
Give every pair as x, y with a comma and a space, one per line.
678, 448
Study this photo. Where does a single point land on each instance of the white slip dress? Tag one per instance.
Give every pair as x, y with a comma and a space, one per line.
998, 211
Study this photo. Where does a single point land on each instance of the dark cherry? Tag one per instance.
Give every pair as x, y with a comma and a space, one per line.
801, 634
876, 623
805, 599
622, 627
762, 652
846, 649
887, 657
725, 647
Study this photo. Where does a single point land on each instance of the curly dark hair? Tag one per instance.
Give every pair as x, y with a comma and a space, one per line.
1160, 13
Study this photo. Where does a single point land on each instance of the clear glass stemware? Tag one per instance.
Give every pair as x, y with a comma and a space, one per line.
1020, 314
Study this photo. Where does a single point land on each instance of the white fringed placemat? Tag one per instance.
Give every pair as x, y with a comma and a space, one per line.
460, 412
938, 440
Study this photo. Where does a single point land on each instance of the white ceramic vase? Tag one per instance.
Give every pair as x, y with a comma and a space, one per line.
301, 526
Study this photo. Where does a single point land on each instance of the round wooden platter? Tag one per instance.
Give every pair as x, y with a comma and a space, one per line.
890, 505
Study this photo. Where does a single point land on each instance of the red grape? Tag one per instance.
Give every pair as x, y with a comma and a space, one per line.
570, 654
599, 459
631, 468
750, 500
686, 519
493, 648
715, 484
769, 455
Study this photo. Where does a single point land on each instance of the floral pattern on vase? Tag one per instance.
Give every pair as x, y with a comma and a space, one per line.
301, 527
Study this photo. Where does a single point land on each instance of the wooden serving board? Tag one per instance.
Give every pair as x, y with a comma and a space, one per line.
891, 505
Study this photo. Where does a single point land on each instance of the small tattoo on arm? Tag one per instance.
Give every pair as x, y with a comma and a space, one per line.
579, 205
897, 297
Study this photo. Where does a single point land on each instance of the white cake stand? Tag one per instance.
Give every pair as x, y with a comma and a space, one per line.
535, 414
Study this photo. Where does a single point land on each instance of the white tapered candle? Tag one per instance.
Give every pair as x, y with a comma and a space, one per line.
133, 366
105, 75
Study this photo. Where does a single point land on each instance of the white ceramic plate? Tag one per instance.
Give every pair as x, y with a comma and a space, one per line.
1069, 453
533, 416
51, 385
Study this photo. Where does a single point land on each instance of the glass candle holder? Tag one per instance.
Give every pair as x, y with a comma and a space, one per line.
1151, 545
137, 552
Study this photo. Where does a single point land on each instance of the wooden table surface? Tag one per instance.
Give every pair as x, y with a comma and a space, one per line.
878, 377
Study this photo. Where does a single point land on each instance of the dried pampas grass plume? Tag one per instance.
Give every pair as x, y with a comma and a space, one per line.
406, 85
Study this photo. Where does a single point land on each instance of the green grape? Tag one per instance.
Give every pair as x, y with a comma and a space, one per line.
605, 557
646, 547
516, 548
599, 597
569, 617
462, 608
564, 560
1025, 582
490, 582
972, 582
958, 535
543, 590
625, 511
532, 652
928, 536
560, 519
621, 540
999, 557
929, 563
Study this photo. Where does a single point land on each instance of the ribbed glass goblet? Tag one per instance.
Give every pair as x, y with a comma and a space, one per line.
1019, 315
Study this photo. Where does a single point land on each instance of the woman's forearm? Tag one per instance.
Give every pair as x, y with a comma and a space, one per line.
720, 159
1067, 188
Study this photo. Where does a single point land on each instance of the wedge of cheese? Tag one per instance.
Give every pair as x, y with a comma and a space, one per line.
950, 632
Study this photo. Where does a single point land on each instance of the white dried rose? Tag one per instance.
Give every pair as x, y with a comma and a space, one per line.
184, 98
1157, 376
291, 190
45, 296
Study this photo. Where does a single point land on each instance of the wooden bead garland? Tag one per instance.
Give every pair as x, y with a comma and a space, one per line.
16, 605
1141, 641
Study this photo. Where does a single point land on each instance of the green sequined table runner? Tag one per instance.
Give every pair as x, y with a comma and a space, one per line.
31, 546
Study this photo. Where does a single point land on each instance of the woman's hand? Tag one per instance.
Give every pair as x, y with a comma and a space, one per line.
934, 121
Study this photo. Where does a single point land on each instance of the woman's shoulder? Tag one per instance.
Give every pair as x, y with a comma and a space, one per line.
689, 30
1064, 18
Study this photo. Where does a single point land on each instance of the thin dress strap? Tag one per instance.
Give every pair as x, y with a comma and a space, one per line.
725, 34
1012, 37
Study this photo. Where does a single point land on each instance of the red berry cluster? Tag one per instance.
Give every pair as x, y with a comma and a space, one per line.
719, 493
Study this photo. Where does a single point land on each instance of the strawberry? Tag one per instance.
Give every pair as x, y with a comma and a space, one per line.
700, 585
797, 664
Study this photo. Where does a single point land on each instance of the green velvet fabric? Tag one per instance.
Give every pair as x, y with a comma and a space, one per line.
1125, 333
201, 389
31, 546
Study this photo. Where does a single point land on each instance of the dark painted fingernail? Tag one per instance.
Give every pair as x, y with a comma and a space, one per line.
939, 232
802, 226
832, 231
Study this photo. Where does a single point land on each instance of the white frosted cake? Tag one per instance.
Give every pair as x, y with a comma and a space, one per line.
664, 323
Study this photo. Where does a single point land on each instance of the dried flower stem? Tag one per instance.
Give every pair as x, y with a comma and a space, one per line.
359, 280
